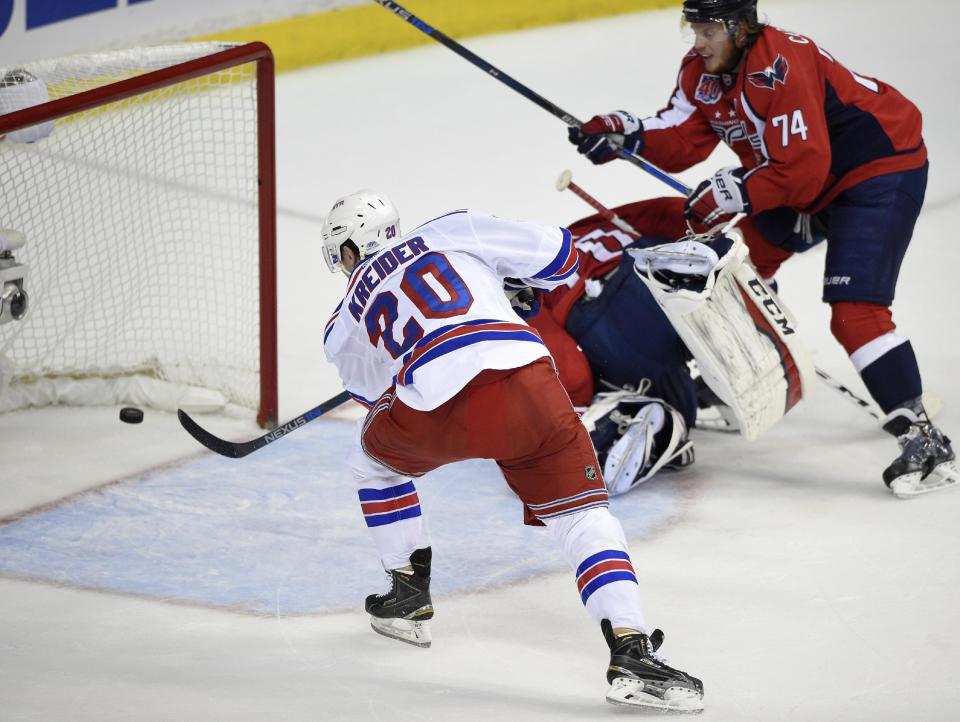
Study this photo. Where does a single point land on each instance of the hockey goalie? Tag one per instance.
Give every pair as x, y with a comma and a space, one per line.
741, 335
624, 357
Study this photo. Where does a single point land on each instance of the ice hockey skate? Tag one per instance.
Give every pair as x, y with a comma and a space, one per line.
926, 462
638, 678
403, 611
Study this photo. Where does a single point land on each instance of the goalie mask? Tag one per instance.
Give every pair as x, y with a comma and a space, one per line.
366, 219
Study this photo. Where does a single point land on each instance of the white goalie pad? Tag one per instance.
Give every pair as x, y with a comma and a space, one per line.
743, 338
649, 435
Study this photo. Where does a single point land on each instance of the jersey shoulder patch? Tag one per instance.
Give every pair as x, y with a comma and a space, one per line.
776, 72
777, 57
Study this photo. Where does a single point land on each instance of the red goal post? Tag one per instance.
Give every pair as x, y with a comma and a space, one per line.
145, 189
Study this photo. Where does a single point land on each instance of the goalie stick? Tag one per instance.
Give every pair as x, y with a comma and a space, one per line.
565, 182
931, 402
519, 87
239, 449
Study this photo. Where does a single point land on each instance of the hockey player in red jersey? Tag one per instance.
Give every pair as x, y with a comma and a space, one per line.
616, 352
427, 340
823, 151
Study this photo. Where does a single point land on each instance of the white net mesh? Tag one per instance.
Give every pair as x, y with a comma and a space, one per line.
141, 220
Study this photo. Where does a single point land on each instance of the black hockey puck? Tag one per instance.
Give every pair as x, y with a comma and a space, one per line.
131, 415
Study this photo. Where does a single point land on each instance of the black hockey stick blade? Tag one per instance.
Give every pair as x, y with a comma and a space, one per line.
239, 449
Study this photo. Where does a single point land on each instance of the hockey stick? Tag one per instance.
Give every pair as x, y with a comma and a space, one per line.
238, 449
932, 403
565, 182
846, 393
521, 88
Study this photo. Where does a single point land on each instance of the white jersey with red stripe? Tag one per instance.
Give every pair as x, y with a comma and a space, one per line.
428, 313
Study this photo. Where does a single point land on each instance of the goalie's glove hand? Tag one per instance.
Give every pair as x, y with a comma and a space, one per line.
718, 198
593, 138
524, 300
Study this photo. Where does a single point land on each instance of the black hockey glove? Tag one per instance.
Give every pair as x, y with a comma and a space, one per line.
524, 300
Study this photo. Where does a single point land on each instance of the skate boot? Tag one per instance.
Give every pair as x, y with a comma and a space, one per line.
926, 462
402, 612
638, 678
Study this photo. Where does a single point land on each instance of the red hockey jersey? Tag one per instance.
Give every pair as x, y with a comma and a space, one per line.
599, 247
805, 126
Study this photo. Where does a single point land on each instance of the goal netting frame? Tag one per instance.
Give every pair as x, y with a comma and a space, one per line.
155, 371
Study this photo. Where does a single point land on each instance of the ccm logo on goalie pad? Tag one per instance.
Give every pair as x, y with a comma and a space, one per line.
763, 321
775, 313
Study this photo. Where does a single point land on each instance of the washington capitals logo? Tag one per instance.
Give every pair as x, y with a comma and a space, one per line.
771, 75
709, 90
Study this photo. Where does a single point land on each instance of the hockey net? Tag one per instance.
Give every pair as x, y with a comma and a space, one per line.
144, 186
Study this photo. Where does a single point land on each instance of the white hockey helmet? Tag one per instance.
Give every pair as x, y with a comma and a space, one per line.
367, 218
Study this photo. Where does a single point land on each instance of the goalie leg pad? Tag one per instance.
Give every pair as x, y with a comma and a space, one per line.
630, 454
653, 438
742, 336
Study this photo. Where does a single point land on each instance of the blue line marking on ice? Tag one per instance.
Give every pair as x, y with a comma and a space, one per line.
282, 532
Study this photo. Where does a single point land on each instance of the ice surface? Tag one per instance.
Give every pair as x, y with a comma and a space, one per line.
144, 579
280, 531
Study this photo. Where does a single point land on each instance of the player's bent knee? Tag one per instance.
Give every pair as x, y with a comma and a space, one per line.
586, 528
368, 473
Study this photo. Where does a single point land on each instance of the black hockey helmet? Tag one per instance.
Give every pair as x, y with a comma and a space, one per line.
724, 11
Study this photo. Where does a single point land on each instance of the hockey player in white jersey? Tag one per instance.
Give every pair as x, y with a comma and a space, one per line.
426, 339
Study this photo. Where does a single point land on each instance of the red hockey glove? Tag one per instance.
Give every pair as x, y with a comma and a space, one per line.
593, 138
719, 198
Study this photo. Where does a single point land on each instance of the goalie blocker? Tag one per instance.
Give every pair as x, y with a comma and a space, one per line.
742, 336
